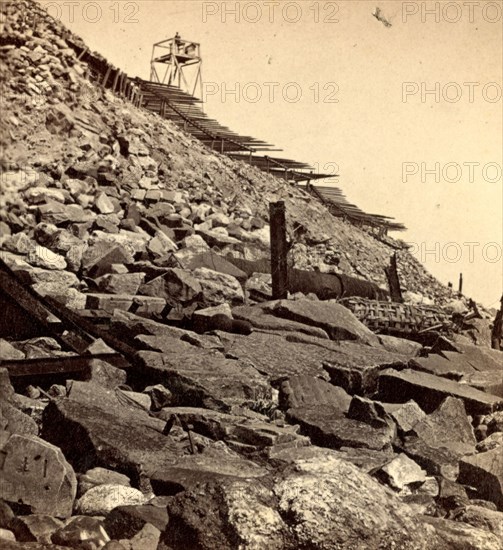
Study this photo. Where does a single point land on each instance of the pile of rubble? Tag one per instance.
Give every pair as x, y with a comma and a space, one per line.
148, 402
308, 431
60, 127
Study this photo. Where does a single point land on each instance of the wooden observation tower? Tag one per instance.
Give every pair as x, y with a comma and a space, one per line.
179, 66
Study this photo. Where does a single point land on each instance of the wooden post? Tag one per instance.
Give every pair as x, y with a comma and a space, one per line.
279, 250
497, 330
393, 280
460, 287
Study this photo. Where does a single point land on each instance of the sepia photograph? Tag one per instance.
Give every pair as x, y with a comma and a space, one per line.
251, 275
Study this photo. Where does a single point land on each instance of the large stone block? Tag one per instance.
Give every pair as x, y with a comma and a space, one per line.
37, 474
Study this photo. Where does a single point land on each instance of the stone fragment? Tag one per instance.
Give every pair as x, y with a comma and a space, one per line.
405, 415
491, 442
338, 322
127, 283
174, 286
124, 522
82, 532
330, 503
105, 375
215, 461
327, 427
35, 528
102, 499
159, 395
451, 534
368, 411
436, 461
59, 214
484, 471
36, 473
218, 288
259, 318
401, 473
103, 204
100, 476
98, 259
9, 352
482, 518
15, 421
449, 427
250, 518
307, 391
429, 391
43, 257
64, 279
7, 535
37, 195
111, 302
146, 539
400, 345
197, 378
115, 435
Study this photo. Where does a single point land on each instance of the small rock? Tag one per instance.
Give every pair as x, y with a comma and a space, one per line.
82, 532
402, 472
102, 499
43, 257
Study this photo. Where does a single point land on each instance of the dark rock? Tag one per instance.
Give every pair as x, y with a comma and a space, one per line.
226, 515
368, 411
159, 395
327, 427
436, 461
405, 415
105, 375
214, 463
429, 391
100, 437
213, 261
124, 283
336, 320
307, 391
174, 286
259, 318
197, 378
124, 522
6, 514
448, 427
35, 528
484, 471
98, 259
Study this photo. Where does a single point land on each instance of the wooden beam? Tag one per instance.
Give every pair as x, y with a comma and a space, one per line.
279, 250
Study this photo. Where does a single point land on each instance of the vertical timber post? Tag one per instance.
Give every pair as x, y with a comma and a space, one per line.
460, 287
393, 280
279, 250
497, 330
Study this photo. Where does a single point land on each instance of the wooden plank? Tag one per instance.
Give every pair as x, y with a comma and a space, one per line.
45, 366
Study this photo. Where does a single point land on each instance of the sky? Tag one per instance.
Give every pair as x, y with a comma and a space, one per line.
409, 115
